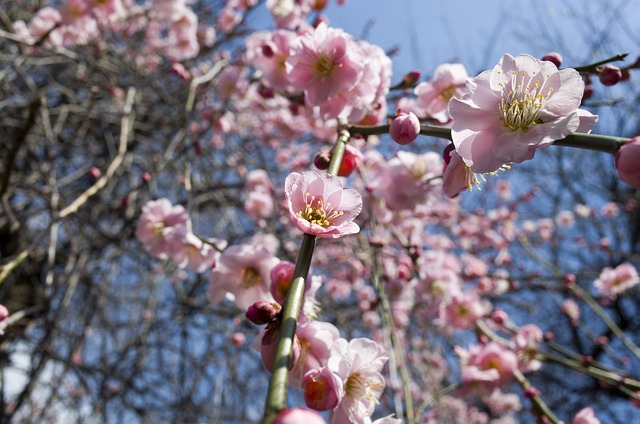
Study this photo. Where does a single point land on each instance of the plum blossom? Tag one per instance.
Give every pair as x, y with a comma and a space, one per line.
614, 281
4, 318
627, 163
323, 390
456, 176
319, 205
358, 363
268, 52
161, 226
433, 96
316, 339
585, 416
321, 63
526, 344
521, 105
487, 366
243, 271
195, 254
297, 416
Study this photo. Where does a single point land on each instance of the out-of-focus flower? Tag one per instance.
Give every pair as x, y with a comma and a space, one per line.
242, 271
521, 105
316, 339
269, 344
609, 75
614, 281
4, 317
321, 64
161, 226
358, 362
486, 366
526, 344
585, 416
297, 416
319, 205
433, 96
628, 162
404, 128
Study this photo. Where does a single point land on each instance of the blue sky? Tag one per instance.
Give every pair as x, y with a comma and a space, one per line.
477, 33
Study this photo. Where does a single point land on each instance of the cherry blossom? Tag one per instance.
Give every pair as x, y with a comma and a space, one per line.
297, 416
521, 105
319, 205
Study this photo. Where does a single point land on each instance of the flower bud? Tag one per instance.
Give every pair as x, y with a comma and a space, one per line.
269, 345
94, 173
404, 128
322, 160
297, 416
627, 163
281, 276
263, 312
411, 78
322, 389
588, 92
553, 57
609, 75
351, 159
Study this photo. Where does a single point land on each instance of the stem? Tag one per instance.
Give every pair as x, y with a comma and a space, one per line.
536, 399
592, 68
597, 142
277, 393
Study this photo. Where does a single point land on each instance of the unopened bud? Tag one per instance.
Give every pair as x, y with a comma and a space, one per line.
609, 75
404, 128
553, 57
263, 312
322, 160
94, 173
411, 78
281, 276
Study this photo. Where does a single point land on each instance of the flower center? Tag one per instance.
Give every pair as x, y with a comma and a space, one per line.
315, 211
158, 228
249, 277
323, 66
522, 105
448, 93
358, 386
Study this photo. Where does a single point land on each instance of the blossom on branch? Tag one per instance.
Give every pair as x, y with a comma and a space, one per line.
433, 96
614, 281
319, 205
242, 271
521, 105
627, 163
161, 226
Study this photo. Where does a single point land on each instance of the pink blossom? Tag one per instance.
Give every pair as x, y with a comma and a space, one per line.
523, 104
585, 416
628, 162
297, 416
319, 205
487, 366
322, 62
269, 344
4, 318
457, 176
194, 253
316, 339
433, 96
323, 390
614, 281
358, 363
160, 227
462, 310
268, 52
242, 271
570, 308
526, 344
258, 204
404, 128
